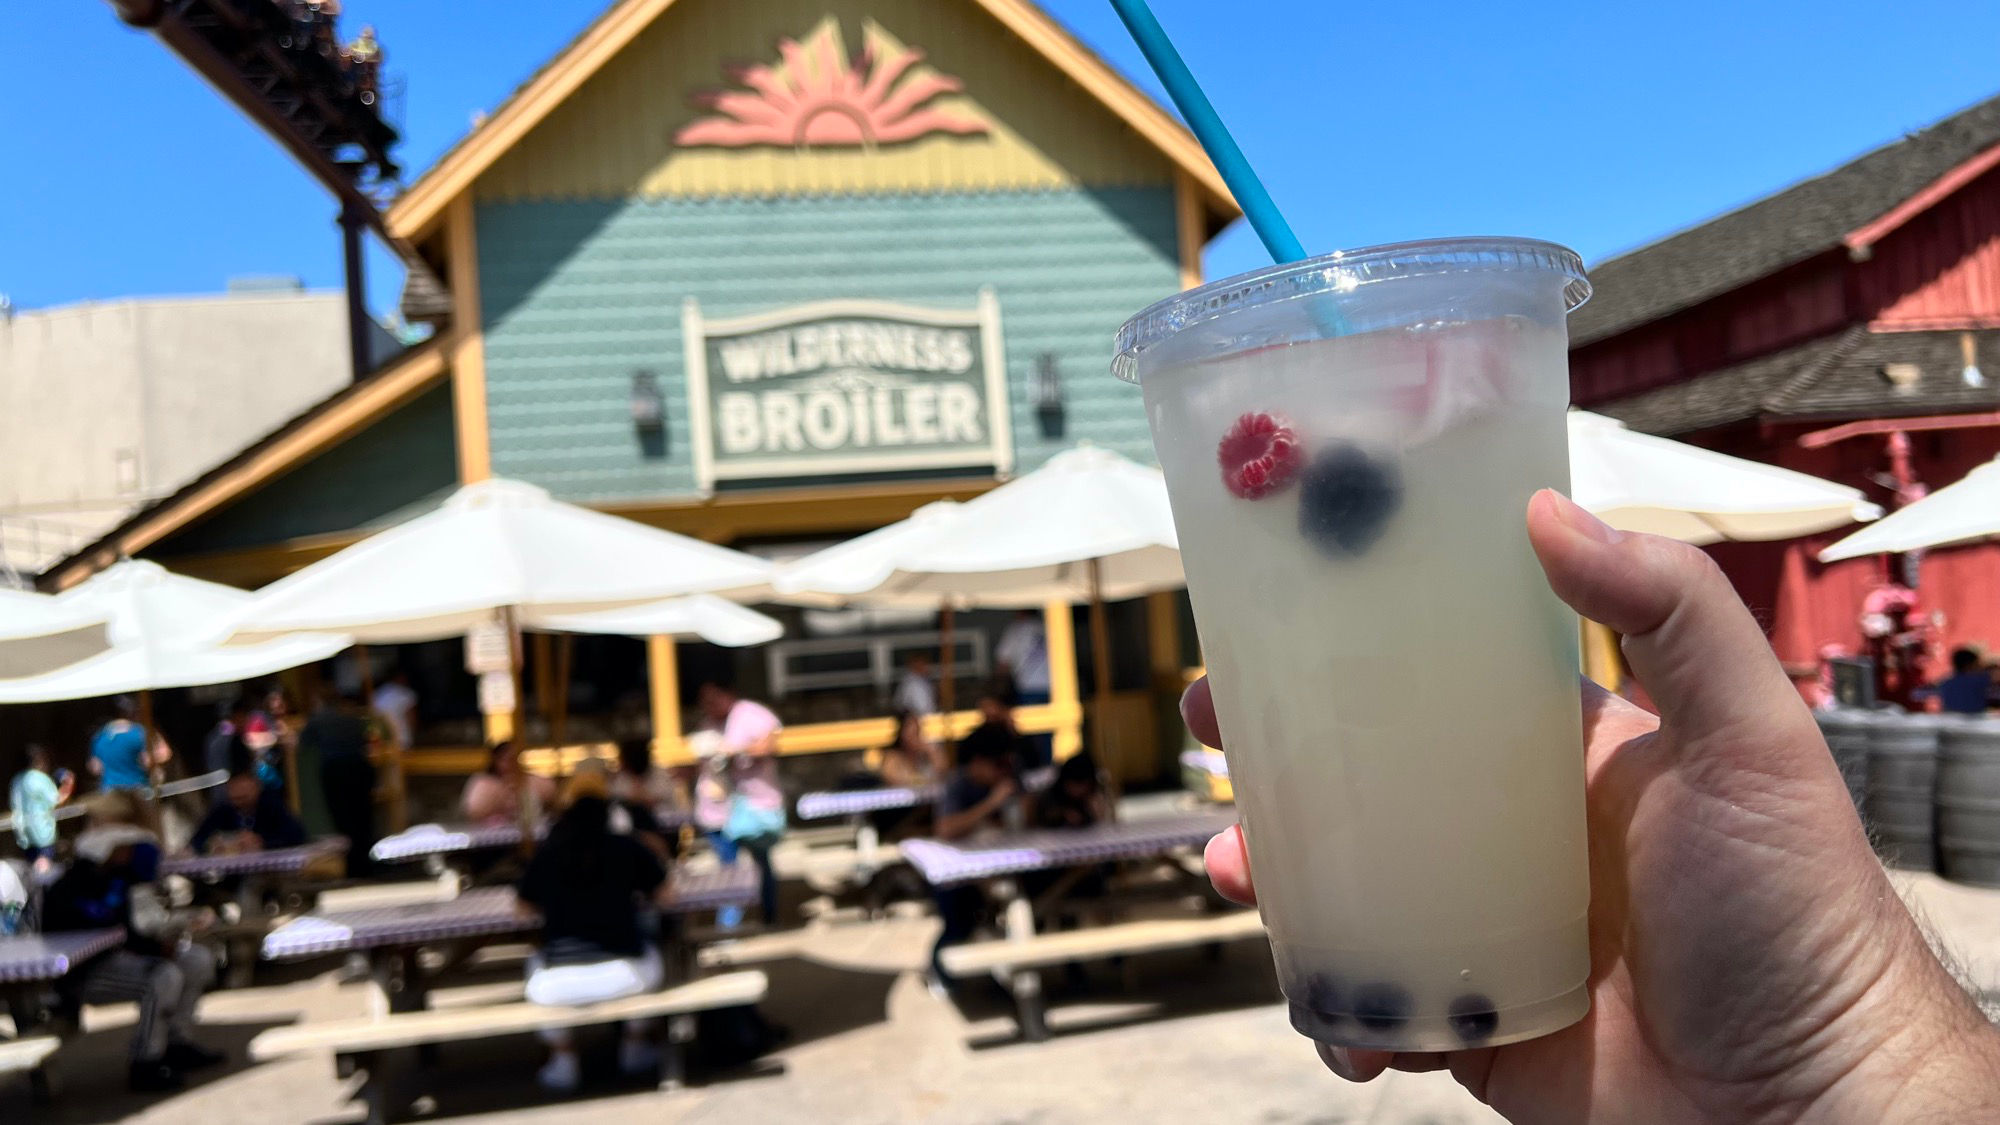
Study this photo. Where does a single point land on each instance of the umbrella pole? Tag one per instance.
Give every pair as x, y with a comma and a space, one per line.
947, 688
545, 684
1100, 664
565, 657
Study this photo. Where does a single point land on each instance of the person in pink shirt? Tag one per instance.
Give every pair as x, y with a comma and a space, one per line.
738, 802
496, 794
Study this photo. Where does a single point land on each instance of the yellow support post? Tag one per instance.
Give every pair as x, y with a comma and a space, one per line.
1065, 696
1602, 659
663, 674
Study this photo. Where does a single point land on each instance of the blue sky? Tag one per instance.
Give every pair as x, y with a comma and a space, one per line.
1602, 126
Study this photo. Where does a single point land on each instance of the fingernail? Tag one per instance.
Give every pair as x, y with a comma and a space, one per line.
1336, 1060
1582, 522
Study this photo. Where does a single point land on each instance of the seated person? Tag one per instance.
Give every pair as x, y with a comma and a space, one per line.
1966, 690
912, 759
975, 797
112, 883
977, 793
1075, 800
495, 795
627, 817
249, 817
591, 886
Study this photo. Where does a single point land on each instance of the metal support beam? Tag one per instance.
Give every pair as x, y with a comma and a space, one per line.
352, 225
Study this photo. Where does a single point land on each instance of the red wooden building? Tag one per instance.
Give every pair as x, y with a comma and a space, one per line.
1847, 326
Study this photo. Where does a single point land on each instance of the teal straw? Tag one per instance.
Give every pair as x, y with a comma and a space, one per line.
1250, 192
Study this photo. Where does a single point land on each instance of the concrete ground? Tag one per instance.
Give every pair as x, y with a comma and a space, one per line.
1191, 1040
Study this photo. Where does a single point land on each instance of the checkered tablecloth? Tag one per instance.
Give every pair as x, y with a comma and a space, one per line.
854, 802
691, 891
37, 957
484, 912
276, 861
1206, 761
943, 863
435, 839
479, 913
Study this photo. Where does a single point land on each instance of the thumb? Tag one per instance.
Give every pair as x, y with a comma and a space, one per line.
1688, 636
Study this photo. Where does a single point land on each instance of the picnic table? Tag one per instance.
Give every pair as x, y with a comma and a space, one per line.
998, 859
391, 935
857, 804
435, 844
29, 963
257, 874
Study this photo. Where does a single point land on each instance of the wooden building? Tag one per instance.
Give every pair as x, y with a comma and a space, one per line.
644, 257
1847, 326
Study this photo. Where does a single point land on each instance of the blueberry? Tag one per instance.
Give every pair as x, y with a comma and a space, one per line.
1346, 498
1472, 1017
1324, 993
1381, 1007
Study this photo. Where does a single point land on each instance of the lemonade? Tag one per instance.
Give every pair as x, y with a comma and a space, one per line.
1394, 680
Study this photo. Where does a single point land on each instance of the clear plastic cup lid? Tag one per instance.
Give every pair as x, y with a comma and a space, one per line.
1341, 274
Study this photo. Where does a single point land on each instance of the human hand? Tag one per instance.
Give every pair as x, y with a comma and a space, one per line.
1749, 959
1003, 791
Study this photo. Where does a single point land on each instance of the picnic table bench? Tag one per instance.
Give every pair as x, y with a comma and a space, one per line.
400, 1016
362, 1044
999, 859
29, 963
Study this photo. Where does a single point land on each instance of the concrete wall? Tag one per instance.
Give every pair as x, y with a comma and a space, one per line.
107, 405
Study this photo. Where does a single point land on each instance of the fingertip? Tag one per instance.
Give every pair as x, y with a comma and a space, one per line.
1228, 865
1198, 712
1353, 1064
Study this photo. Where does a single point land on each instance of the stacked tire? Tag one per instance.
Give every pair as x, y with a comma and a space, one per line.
1900, 804
1968, 802
1846, 734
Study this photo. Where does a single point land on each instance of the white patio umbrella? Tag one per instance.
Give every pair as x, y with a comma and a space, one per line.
718, 621
38, 632
26, 614
1086, 526
1967, 511
1637, 482
164, 631
494, 546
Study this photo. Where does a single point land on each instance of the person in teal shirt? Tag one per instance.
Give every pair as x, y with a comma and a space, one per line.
118, 752
33, 798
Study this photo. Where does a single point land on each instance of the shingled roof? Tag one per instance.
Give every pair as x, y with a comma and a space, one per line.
1800, 222
1845, 374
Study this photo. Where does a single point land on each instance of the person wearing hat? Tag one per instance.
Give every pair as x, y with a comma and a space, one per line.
591, 885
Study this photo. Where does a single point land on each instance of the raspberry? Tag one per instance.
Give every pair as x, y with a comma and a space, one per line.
1259, 456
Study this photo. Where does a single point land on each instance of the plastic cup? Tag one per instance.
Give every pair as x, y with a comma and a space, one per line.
1350, 443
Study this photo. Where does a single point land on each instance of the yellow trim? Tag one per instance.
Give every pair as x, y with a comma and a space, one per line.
812, 738
468, 360
341, 418
1059, 637
420, 209
1190, 229
664, 677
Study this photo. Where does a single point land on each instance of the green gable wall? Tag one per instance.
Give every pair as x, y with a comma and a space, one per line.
579, 295
395, 468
